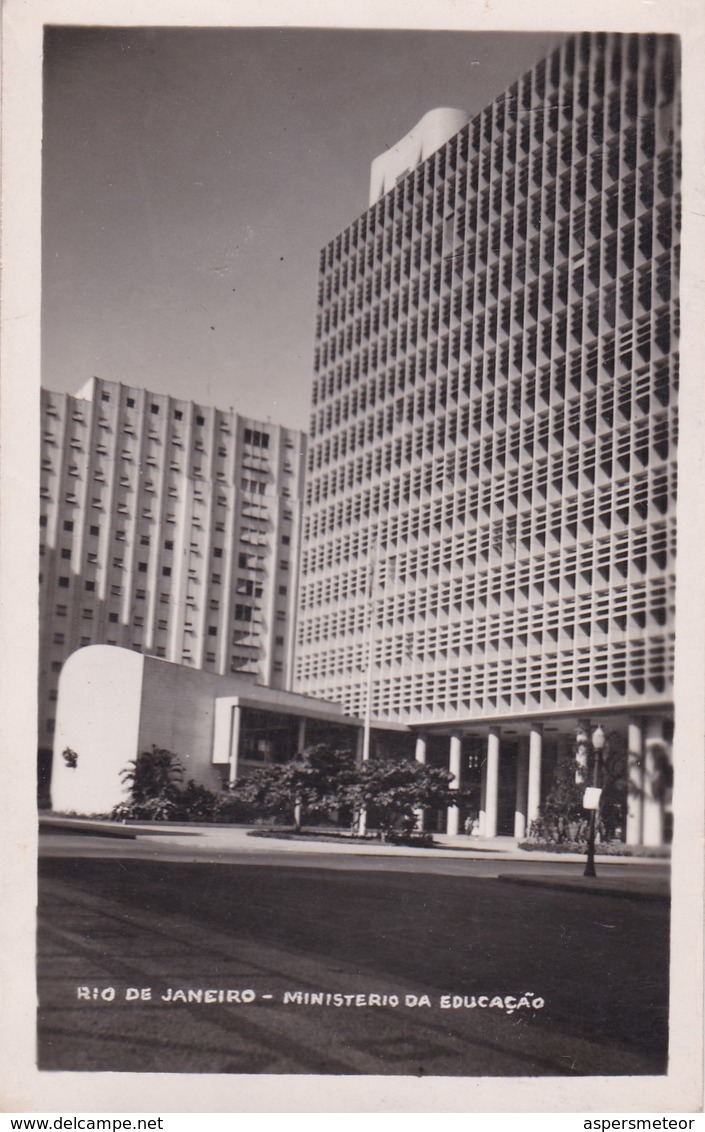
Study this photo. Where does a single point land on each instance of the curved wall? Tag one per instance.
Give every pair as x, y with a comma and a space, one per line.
98, 716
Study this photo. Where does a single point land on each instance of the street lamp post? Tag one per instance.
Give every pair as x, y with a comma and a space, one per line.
598, 746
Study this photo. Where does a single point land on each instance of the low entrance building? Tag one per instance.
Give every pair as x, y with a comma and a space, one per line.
114, 703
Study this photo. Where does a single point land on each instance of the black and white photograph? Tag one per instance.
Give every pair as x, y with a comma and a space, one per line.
361, 746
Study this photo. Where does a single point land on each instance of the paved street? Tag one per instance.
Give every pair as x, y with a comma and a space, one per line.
277, 923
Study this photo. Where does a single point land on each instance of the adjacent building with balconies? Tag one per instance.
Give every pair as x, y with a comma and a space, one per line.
169, 528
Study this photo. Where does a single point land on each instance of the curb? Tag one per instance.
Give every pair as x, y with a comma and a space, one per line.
577, 885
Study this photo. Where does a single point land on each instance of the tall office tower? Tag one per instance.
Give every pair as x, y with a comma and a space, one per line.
493, 432
170, 528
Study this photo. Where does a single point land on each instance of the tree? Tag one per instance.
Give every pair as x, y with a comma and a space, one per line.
397, 789
314, 782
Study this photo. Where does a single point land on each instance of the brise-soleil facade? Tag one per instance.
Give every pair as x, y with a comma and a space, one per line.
490, 499
169, 528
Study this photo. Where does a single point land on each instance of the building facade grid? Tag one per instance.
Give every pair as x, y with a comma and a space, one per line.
494, 410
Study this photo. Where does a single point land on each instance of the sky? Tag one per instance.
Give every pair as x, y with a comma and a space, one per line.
191, 176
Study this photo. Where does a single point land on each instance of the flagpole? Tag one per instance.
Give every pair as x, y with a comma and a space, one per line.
366, 730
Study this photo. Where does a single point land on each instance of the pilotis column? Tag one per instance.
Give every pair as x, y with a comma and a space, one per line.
635, 785
535, 754
420, 757
653, 801
454, 768
492, 787
234, 744
522, 788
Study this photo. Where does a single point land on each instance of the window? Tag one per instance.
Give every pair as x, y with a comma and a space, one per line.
200, 420
282, 590
112, 617
42, 520
142, 567
154, 409
168, 545
65, 552
130, 402
212, 631
68, 525
61, 610
64, 583
286, 540
178, 415
94, 530
218, 552
90, 587
166, 571
144, 540
105, 396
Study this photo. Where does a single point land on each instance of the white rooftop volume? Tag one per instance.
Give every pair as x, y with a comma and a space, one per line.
429, 134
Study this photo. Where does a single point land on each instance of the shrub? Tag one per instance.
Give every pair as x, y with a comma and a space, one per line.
562, 820
156, 793
153, 774
153, 809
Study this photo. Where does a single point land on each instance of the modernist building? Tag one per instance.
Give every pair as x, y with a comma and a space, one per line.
492, 451
169, 528
221, 727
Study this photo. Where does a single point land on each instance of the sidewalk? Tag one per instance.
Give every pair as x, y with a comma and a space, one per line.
212, 837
